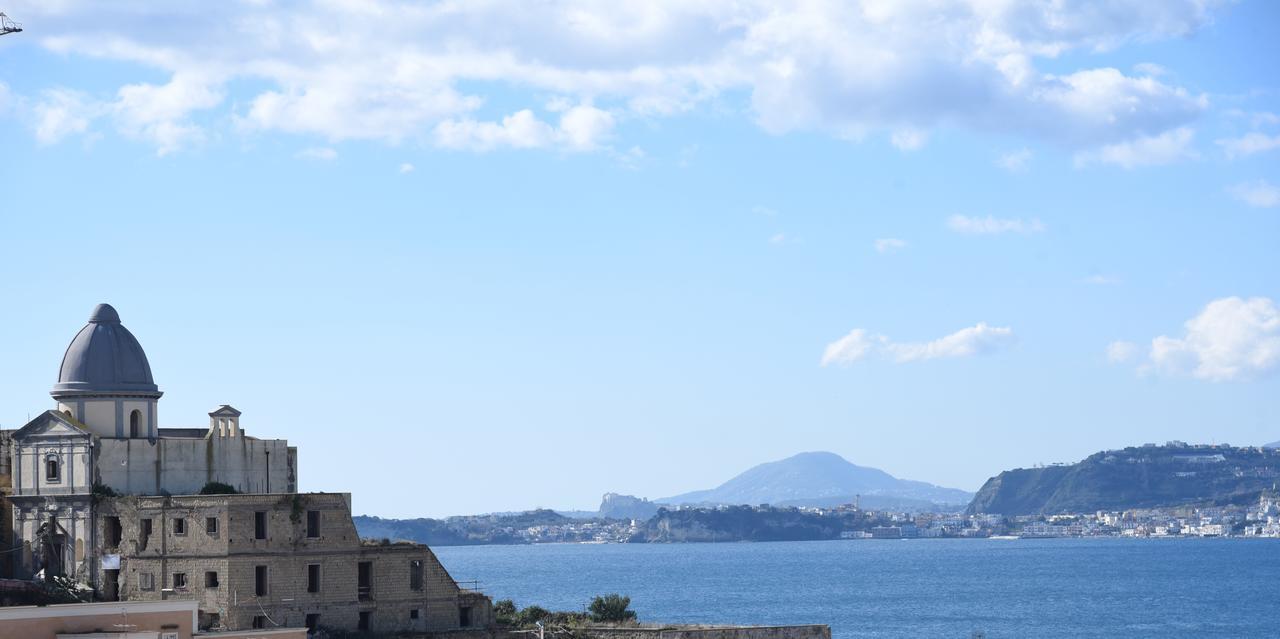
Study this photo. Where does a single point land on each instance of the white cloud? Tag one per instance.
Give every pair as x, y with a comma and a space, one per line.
848, 349
909, 139
962, 343
581, 128
60, 113
323, 153
393, 70
889, 245
1248, 144
1014, 161
1121, 352
778, 238
965, 342
1144, 150
1151, 69
1261, 194
406, 168
992, 225
1231, 339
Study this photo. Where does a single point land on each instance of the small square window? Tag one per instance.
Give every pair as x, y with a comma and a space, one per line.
413, 614
211, 579
146, 581
179, 580
179, 525
211, 526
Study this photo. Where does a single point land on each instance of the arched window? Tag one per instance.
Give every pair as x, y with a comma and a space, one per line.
52, 469
135, 424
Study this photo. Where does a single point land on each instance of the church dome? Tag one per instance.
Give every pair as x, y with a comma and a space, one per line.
105, 357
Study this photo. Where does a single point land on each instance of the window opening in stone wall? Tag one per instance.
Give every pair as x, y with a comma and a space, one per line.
179, 580
179, 526
313, 578
415, 574
313, 622
259, 622
260, 525
211, 579
364, 620
146, 581
364, 580
413, 614
313, 523
464, 616
144, 533
135, 424
211, 526
260, 581
52, 469
111, 531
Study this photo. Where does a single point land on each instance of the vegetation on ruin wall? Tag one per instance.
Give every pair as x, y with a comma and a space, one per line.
605, 609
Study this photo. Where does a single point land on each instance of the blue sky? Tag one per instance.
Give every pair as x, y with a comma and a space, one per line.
473, 259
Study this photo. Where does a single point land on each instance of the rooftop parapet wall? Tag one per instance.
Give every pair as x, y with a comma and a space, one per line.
182, 466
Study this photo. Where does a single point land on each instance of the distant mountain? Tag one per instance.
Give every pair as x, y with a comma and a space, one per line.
1139, 477
820, 479
1272, 445
615, 506
458, 531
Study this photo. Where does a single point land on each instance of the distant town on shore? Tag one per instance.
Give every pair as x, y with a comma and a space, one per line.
1171, 490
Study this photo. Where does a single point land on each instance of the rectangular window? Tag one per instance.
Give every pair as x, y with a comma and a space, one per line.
211, 579
211, 526
260, 581
259, 622
179, 526
364, 580
415, 574
313, 523
413, 614
179, 580
464, 616
313, 622
51, 470
111, 528
364, 620
146, 581
260, 525
144, 533
313, 578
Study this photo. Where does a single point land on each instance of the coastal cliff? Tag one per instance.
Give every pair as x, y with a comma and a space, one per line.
1136, 477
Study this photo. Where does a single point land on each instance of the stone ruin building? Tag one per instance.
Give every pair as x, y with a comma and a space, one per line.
96, 491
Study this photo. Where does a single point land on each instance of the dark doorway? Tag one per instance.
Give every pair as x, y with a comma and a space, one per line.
111, 585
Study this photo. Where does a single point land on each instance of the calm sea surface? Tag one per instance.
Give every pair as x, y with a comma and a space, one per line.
911, 588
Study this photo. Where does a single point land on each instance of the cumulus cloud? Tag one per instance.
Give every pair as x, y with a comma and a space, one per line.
60, 113
1248, 144
1230, 339
393, 70
1261, 194
992, 225
1121, 352
581, 128
889, 245
1144, 150
974, 340
1014, 161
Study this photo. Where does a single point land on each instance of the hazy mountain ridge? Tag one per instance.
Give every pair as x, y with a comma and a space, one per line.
1135, 477
818, 479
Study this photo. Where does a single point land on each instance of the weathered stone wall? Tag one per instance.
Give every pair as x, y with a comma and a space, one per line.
183, 465
234, 553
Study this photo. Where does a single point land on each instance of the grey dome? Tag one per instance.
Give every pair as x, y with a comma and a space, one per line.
105, 357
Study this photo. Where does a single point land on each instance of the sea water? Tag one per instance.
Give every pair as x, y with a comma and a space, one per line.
910, 588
